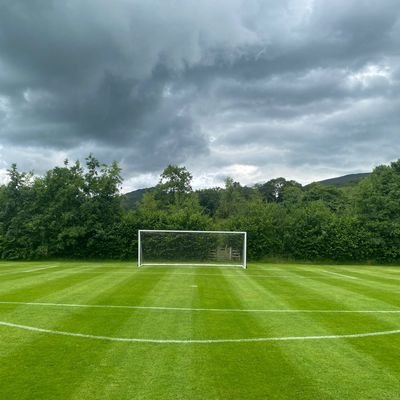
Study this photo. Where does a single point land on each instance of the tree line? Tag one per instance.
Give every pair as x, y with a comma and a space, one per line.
77, 212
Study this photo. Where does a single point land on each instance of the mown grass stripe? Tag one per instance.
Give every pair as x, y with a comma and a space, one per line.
77, 367
336, 292
31, 348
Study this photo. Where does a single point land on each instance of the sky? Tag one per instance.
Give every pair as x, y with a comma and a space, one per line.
251, 89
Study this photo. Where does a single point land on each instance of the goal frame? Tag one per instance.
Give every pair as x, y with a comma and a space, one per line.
140, 258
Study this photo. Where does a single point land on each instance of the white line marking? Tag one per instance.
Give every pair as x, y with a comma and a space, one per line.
189, 341
138, 273
342, 275
18, 271
397, 311
40, 269
10, 272
238, 275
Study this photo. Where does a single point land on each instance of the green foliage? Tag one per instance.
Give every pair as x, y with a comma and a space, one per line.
67, 213
378, 207
274, 190
233, 199
332, 196
264, 224
209, 200
174, 185
15, 215
74, 211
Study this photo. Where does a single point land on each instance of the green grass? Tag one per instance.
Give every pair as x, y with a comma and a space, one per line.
46, 365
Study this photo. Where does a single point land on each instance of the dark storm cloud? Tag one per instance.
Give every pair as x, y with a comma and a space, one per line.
247, 87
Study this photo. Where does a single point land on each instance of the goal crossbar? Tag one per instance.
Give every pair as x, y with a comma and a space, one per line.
184, 231
232, 256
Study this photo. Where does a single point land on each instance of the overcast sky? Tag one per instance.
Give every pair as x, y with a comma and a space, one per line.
253, 89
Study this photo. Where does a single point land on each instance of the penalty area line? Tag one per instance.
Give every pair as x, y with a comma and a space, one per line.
196, 341
17, 271
189, 309
342, 275
40, 269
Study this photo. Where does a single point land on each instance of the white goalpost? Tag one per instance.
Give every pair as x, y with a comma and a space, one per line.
192, 248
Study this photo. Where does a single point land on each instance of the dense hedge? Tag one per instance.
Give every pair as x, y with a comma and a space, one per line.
75, 211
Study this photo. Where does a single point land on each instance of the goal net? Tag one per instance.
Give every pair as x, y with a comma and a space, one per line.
191, 248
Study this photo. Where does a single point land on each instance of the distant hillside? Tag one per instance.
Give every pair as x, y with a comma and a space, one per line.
130, 199
345, 179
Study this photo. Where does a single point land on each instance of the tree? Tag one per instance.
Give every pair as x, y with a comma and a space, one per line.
332, 196
273, 190
174, 185
264, 224
231, 200
58, 222
15, 215
306, 235
69, 212
102, 207
209, 200
175, 179
378, 207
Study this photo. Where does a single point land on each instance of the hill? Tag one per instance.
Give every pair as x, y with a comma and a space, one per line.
345, 179
130, 199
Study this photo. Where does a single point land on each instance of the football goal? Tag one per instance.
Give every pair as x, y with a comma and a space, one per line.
192, 248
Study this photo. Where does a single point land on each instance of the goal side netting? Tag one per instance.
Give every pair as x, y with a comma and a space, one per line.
192, 248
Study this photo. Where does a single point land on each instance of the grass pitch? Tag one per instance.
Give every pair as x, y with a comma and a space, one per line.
72, 330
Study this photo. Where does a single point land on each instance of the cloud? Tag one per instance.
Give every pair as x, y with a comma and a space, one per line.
303, 88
